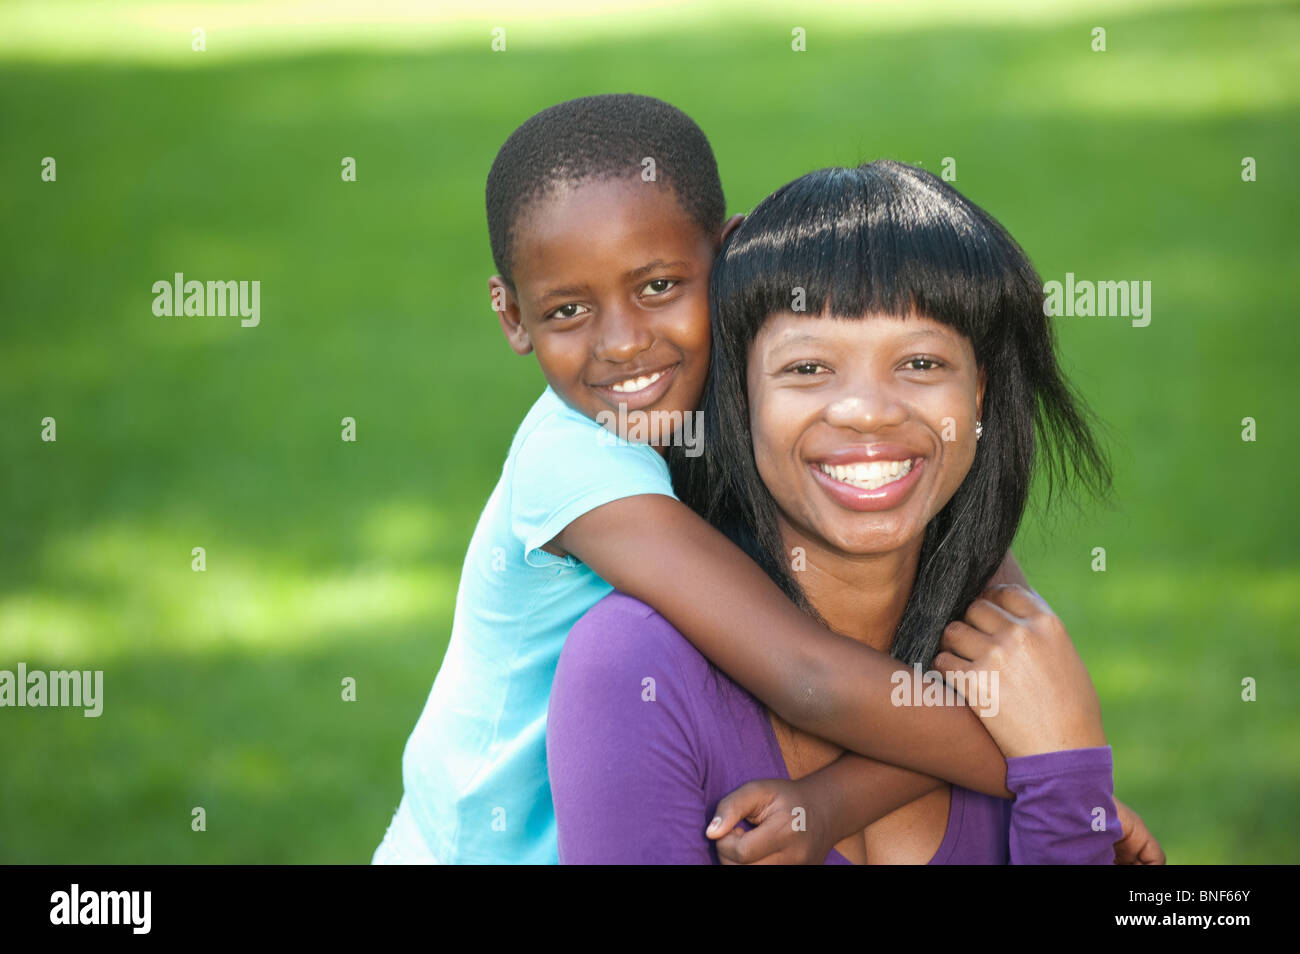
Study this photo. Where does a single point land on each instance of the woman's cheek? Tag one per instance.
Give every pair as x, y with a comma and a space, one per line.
769, 442
954, 421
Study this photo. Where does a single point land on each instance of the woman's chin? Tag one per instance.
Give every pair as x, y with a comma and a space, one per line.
877, 541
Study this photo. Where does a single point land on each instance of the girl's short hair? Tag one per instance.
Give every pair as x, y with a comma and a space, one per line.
888, 238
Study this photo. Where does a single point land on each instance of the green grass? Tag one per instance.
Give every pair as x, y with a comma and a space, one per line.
328, 559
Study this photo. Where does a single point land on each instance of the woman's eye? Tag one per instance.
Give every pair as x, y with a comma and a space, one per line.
658, 286
922, 363
806, 367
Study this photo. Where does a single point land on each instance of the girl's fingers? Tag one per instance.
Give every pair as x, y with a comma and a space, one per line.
727, 847
948, 663
1016, 599
1152, 854
957, 674
761, 845
963, 640
744, 804
986, 615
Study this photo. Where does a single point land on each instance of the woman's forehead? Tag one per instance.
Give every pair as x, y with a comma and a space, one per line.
791, 329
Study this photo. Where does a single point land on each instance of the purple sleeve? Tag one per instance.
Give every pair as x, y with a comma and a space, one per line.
1064, 812
626, 776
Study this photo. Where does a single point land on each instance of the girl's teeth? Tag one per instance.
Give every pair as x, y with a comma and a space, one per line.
868, 476
636, 384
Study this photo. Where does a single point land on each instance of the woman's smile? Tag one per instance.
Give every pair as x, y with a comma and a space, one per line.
878, 485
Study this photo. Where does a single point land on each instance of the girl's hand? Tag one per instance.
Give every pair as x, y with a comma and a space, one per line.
1043, 697
1138, 846
788, 829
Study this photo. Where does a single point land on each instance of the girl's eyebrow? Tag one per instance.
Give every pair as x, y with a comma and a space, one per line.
568, 291
577, 291
653, 266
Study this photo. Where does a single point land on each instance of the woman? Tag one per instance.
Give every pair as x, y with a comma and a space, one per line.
872, 330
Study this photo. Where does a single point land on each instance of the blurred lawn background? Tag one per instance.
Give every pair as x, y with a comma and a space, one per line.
328, 559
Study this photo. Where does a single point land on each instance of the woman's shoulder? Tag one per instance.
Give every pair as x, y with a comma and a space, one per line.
622, 628
623, 644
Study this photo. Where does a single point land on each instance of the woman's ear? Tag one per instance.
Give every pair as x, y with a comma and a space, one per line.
506, 305
979, 397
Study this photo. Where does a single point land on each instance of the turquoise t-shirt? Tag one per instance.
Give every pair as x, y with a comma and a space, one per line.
474, 769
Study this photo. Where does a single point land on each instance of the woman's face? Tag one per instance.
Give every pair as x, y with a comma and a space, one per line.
863, 428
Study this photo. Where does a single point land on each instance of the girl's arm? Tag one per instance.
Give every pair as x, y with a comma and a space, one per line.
833, 803
1048, 722
658, 550
845, 797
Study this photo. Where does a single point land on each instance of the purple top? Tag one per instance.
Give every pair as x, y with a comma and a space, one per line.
644, 739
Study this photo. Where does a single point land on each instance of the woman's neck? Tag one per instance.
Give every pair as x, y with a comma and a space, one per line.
862, 597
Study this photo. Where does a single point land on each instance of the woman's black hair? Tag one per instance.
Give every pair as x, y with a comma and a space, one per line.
888, 238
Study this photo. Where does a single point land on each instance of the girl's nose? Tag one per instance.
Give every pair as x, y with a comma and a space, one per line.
621, 336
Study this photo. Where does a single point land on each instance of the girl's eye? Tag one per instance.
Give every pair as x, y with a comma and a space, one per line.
658, 286
566, 311
806, 367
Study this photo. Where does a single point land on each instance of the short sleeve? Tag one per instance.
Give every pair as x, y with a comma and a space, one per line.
622, 744
568, 466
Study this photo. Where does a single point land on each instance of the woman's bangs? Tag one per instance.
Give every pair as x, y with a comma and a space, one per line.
869, 249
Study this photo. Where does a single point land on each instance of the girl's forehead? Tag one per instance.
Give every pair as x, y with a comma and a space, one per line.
562, 203
602, 225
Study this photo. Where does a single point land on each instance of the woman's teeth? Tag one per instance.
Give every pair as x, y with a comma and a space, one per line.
868, 476
632, 385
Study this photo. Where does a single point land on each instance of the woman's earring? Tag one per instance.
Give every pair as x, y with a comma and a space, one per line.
979, 429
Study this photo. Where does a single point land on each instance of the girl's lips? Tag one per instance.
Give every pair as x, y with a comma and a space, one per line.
882, 498
637, 400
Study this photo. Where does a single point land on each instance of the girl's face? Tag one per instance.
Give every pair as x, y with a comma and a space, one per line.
612, 281
863, 428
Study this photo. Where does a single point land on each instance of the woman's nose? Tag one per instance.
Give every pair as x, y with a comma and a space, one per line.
866, 408
621, 335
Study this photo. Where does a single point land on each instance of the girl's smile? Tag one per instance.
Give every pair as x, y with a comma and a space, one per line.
637, 389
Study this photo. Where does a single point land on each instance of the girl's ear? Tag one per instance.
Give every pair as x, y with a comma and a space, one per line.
979, 397
506, 305
730, 226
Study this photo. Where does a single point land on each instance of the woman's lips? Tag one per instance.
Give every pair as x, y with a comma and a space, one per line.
645, 396
885, 497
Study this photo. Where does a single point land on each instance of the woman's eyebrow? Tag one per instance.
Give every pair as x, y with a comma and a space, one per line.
792, 338
796, 338
924, 333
